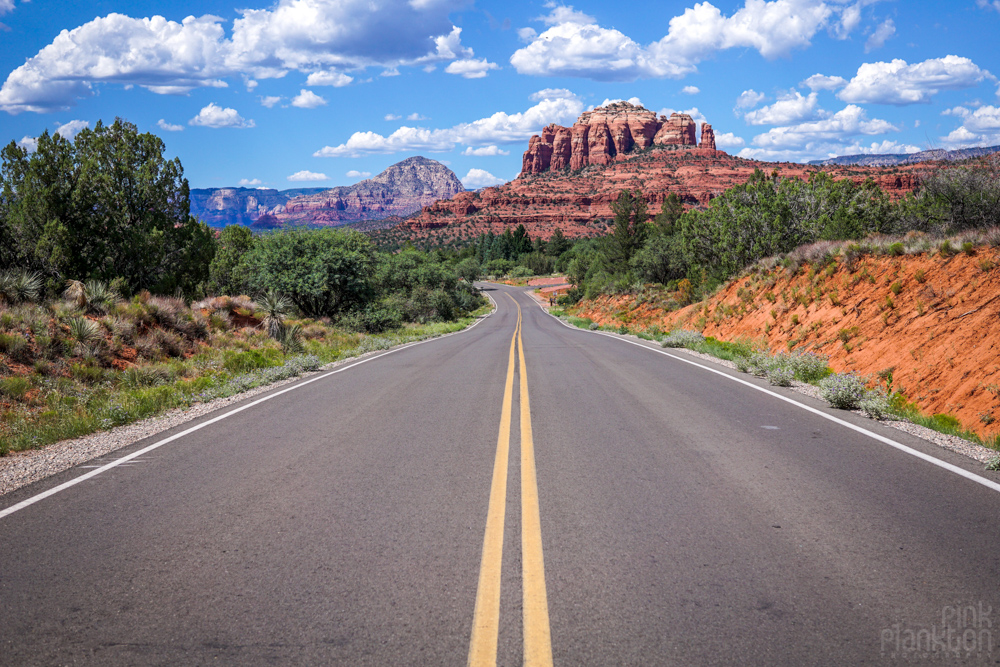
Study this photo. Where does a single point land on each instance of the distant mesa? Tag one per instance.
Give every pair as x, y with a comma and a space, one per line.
599, 136
400, 190
893, 159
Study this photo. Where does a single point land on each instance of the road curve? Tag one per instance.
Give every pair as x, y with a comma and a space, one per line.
682, 518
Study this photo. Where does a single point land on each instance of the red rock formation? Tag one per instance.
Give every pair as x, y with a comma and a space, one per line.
580, 156
679, 129
601, 148
707, 137
562, 148
605, 134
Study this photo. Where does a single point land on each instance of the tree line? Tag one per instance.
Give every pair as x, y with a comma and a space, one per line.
108, 209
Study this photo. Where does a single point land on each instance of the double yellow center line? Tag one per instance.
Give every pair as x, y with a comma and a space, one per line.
486, 621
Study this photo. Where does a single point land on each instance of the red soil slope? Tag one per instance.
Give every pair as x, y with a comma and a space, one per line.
931, 318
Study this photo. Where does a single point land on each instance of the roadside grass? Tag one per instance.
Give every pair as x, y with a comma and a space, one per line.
172, 371
840, 390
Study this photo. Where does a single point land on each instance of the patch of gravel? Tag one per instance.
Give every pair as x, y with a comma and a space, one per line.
950, 442
19, 469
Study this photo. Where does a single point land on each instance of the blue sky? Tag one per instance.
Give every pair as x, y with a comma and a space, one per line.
307, 93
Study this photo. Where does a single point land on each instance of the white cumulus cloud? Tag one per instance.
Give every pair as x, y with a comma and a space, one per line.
471, 68
335, 79
485, 151
307, 99
690, 90
748, 99
790, 108
849, 122
169, 127
269, 101
392, 116
501, 127
821, 82
69, 130
980, 127
305, 175
315, 37
878, 38
354, 173
728, 140
574, 44
216, 116
249, 182
29, 144
480, 178
899, 83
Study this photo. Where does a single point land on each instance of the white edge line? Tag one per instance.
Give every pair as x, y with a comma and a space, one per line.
990, 484
117, 462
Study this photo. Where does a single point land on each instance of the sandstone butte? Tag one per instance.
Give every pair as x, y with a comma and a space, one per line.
570, 176
935, 331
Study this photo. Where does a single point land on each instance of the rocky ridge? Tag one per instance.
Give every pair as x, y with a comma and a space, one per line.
892, 159
400, 190
600, 135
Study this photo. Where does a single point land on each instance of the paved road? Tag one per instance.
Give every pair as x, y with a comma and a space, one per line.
378, 517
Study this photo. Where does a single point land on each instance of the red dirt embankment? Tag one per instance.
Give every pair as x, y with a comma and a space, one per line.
931, 318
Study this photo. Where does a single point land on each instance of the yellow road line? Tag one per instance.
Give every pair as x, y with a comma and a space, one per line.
537, 637
486, 620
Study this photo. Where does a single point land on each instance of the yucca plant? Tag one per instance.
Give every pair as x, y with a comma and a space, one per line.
84, 331
100, 297
291, 339
275, 308
19, 285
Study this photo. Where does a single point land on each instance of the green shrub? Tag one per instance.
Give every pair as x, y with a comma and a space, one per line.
14, 387
244, 362
15, 346
844, 391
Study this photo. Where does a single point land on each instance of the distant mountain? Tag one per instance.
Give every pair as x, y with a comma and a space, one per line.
402, 189
889, 160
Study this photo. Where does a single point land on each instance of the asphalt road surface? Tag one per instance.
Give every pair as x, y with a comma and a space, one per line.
522, 492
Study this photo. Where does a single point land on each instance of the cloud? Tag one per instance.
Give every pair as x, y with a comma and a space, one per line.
335, 79
471, 68
317, 37
552, 94
820, 82
846, 123
694, 112
989, 4
169, 127
215, 116
613, 100
354, 173
886, 30
307, 176
499, 128
480, 178
790, 108
29, 144
575, 45
249, 182
485, 151
307, 99
748, 99
979, 128
392, 116
269, 101
728, 140
71, 129
898, 83
690, 90
6, 6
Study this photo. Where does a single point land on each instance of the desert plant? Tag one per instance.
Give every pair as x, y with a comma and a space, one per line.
84, 331
19, 285
682, 338
291, 339
780, 376
275, 308
843, 390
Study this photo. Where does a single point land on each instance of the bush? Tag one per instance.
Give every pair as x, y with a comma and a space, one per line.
14, 387
373, 319
682, 338
521, 272
780, 376
844, 391
244, 362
